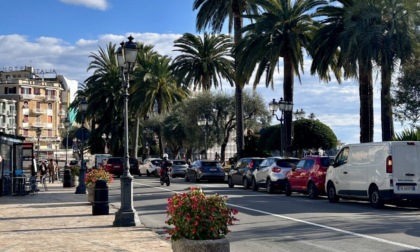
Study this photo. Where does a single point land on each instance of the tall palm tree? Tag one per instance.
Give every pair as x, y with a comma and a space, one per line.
283, 30
155, 88
101, 90
337, 45
212, 14
203, 61
391, 37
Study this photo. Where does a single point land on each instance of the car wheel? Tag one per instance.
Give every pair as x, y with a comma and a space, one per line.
246, 183
269, 188
312, 191
375, 198
287, 188
230, 182
254, 185
148, 173
332, 195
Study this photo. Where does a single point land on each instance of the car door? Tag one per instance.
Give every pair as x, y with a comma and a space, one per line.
262, 173
235, 172
305, 174
340, 172
293, 175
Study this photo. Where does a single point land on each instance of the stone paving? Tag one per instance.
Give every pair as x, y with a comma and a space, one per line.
60, 220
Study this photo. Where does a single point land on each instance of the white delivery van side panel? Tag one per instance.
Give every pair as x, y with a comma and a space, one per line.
378, 153
406, 169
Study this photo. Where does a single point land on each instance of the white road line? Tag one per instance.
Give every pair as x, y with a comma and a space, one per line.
311, 223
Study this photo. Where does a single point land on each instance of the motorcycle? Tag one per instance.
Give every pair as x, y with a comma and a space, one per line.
164, 176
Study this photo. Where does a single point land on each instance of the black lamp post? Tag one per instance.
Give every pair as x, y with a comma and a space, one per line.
205, 121
106, 138
283, 106
299, 114
81, 188
126, 57
38, 134
67, 126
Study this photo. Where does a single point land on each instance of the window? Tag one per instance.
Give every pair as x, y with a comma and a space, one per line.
342, 157
24, 90
49, 119
50, 106
25, 104
37, 91
25, 118
25, 132
38, 105
50, 133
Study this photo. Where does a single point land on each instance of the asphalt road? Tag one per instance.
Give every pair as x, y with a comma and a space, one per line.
275, 222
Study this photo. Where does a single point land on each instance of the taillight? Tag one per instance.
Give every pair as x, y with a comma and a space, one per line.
389, 164
276, 169
251, 164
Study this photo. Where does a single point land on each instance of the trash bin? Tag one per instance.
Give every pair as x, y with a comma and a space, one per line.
67, 178
100, 204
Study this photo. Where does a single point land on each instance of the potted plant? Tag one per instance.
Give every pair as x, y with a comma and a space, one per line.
75, 172
92, 176
199, 221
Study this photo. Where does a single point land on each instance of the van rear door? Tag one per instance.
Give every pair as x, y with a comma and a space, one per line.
406, 167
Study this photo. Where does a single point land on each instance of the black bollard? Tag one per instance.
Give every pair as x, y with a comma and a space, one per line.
100, 204
67, 178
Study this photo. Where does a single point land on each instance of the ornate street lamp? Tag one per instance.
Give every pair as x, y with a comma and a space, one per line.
126, 57
81, 188
106, 139
38, 134
299, 114
283, 106
205, 121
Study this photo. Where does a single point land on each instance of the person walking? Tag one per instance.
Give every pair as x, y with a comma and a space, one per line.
52, 169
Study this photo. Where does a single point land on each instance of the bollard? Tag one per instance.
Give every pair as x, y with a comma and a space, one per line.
67, 178
100, 204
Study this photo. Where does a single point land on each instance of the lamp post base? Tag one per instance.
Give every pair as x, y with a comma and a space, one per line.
126, 216
126, 219
80, 190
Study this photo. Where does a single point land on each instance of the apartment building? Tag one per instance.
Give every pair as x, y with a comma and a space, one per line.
32, 99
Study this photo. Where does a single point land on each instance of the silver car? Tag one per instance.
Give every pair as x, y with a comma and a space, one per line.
179, 167
271, 173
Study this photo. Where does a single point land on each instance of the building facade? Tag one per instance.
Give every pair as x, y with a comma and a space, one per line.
32, 99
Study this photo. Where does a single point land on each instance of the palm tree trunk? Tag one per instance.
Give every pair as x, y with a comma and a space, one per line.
288, 84
386, 105
366, 103
239, 84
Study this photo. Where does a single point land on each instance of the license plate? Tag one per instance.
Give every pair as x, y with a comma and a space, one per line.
213, 169
407, 188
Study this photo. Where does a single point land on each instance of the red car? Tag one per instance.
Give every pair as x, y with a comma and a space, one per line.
308, 176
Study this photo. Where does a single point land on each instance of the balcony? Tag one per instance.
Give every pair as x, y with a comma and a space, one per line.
50, 98
38, 125
25, 111
27, 96
11, 125
38, 111
3, 125
25, 125
62, 112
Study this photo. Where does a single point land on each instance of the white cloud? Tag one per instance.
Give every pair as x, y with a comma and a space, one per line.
94, 4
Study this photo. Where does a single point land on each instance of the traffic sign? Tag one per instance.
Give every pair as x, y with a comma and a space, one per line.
82, 134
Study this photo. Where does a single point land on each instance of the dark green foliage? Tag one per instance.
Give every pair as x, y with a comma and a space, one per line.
313, 134
408, 135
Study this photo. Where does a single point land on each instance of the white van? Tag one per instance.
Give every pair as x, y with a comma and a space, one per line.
379, 172
96, 160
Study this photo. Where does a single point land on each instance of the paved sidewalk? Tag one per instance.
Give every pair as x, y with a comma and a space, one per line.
60, 220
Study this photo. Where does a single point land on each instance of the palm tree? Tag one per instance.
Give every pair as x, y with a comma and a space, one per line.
391, 38
155, 88
337, 45
282, 30
203, 61
212, 14
101, 90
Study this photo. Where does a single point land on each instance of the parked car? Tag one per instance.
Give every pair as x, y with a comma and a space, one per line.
150, 166
308, 176
206, 170
179, 167
271, 173
241, 172
383, 172
115, 165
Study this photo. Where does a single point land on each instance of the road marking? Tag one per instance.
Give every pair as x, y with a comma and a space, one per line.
307, 222
328, 227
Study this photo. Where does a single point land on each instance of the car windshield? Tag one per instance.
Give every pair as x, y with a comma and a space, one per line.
156, 162
179, 162
114, 161
325, 161
208, 164
287, 163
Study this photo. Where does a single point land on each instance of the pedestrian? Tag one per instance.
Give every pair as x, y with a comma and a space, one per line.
43, 168
52, 167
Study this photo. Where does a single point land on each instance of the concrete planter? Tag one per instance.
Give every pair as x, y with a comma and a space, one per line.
185, 245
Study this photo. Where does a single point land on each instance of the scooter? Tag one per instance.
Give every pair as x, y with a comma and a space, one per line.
166, 179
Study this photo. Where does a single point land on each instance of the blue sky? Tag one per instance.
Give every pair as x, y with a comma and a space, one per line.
61, 34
